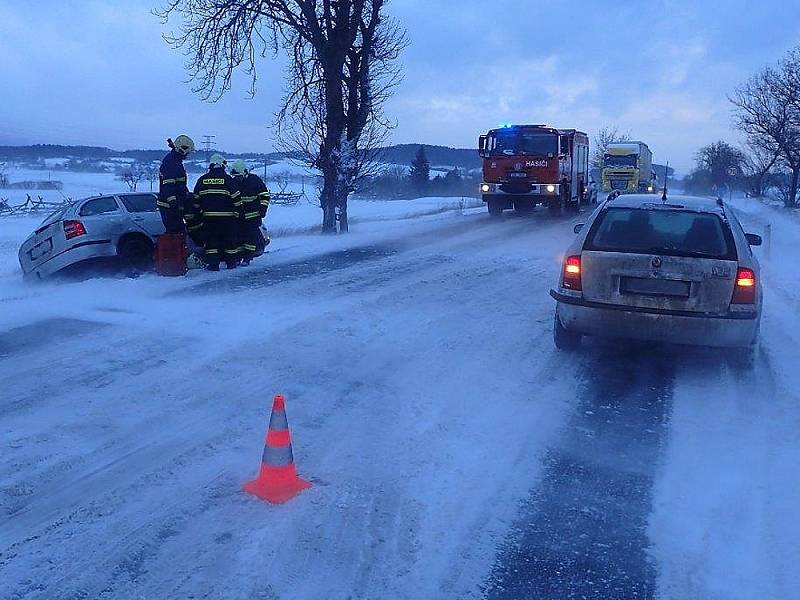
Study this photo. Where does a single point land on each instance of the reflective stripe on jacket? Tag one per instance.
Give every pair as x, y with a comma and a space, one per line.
255, 197
217, 195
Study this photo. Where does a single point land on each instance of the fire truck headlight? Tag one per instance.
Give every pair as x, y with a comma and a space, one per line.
550, 188
485, 187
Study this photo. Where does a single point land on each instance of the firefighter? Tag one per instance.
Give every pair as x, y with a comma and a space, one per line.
255, 202
220, 209
193, 217
172, 191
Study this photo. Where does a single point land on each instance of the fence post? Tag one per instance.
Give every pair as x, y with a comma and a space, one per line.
768, 241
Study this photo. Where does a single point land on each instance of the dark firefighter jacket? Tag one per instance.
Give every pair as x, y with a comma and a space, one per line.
172, 190
255, 197
217, 195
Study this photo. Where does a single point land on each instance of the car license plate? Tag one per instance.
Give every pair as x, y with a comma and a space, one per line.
517, 174
40, 250
654, 287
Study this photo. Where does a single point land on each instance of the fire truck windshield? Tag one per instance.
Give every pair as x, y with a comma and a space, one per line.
612, 160
512, 143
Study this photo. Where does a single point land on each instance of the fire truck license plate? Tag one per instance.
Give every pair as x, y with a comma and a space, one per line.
515, 174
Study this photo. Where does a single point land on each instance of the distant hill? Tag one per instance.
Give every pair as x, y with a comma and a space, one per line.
463, 158
50, 151
401, 154
86, 158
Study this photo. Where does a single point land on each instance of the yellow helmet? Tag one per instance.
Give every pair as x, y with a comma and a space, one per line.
183, 144
217, 159
239, 168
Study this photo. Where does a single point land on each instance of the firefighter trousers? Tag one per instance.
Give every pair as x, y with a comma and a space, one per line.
172, 219
219, 240
252, 240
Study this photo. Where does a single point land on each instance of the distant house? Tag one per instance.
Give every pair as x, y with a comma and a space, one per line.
35, 185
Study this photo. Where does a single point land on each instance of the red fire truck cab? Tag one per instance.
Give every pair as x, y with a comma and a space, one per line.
526, 165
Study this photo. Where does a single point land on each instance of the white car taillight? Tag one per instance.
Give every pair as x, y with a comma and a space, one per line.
744, 291
572, 273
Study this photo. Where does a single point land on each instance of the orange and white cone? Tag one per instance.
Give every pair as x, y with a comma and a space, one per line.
277, 481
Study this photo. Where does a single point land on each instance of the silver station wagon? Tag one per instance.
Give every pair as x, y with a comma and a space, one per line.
116, 226
676, 270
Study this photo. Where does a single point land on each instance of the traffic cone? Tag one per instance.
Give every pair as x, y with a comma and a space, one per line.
277, 481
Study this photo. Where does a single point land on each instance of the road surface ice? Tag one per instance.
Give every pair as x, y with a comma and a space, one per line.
454, 452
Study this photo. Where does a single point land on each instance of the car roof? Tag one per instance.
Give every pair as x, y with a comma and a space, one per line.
674, 201
110, 194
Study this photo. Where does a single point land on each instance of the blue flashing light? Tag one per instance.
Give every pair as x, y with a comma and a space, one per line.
506, 125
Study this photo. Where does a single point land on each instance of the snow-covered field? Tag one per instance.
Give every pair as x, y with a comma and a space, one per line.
425, 399
302, 217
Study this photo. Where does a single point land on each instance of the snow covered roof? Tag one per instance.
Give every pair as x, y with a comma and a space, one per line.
693, 203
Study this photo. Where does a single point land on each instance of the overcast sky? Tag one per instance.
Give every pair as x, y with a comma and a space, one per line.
96, 72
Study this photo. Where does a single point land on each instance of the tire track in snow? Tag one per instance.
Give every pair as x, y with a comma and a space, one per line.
476, 231
583, 532
117, 565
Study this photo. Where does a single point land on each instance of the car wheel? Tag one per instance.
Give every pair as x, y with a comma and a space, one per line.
523, 207
136, 254
574, 207
495, 209
564, 340
743, 359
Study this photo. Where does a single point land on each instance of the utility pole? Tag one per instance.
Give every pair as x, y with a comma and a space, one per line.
208, 143
265, 158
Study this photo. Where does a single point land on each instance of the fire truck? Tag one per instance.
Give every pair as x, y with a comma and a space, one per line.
526, 165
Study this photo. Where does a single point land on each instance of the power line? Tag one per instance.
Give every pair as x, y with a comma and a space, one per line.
208, 143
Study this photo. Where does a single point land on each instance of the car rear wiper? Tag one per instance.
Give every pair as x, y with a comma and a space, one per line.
682, 252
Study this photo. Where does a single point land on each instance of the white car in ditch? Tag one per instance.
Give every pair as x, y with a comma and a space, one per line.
118, 227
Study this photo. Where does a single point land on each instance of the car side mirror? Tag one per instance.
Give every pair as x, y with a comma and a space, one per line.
578, 227
753, 239
482, 146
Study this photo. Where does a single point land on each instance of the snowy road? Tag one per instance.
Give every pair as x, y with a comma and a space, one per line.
454, 453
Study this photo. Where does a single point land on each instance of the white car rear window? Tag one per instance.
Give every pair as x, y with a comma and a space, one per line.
660, 231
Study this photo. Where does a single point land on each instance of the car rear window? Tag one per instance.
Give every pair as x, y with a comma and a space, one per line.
99, 206
53, 217
139, 202
660, 231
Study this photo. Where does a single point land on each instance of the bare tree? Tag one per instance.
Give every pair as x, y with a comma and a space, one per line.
767, 111
3, 175
342, 68
282, 179
605, 136
722, 161
132, 175
757, 167
150, 173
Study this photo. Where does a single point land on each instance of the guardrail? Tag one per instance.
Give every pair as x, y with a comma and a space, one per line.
286, 198
31, 206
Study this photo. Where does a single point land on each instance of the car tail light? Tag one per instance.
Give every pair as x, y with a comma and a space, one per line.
745, 290
572, 273
73, 229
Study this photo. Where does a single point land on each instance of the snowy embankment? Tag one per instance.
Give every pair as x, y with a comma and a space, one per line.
725, 522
